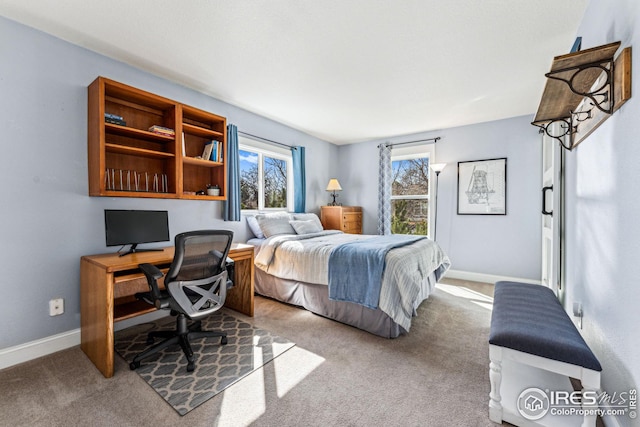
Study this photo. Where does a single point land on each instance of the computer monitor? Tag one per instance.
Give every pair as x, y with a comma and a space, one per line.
133, 227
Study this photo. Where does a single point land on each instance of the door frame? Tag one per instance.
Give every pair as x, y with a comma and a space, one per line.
552, 211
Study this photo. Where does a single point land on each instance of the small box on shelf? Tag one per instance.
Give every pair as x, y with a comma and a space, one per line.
114, 119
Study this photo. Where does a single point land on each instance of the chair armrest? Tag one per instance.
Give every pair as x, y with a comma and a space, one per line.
152, 273
151, 270
230, 267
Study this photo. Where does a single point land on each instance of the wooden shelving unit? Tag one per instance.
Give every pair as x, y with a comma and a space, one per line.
583, 89
199, 127
130, 161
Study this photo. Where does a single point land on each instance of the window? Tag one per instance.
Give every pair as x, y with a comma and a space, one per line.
410, 194
266, 176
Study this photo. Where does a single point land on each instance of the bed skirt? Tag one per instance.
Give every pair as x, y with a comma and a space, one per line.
315, 298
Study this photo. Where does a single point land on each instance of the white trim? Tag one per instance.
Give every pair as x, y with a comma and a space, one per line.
262, 149
38, 348
32, 350
417, 152
486, 278
48, 345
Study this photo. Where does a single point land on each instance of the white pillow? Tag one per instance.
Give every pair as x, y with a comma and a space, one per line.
305, 227
277, 214
309, 216
272, 225
252, 222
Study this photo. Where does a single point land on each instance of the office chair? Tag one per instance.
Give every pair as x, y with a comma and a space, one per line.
195, 286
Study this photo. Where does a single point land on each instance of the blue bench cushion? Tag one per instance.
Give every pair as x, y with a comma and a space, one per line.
529, 318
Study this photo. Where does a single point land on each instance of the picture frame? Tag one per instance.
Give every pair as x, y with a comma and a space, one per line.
482, 187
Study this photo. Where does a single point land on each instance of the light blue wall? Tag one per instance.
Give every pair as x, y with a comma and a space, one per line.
47, 220
496, 245
603, 215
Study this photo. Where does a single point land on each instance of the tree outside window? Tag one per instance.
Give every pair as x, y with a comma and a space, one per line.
248, 180
275, 183
264, 180
410, 196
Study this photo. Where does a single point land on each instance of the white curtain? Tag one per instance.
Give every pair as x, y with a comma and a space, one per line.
384, 190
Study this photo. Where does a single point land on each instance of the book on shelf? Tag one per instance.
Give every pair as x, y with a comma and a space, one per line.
214, 152
208, 149
161, 130
184, 148
216, 155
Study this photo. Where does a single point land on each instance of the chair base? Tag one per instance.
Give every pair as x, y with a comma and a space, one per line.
182, 335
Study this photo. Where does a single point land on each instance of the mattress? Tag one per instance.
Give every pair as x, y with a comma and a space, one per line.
293, 269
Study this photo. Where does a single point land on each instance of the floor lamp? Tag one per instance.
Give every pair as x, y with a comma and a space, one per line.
437, 168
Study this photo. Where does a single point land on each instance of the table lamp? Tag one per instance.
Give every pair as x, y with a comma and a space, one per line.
333, 186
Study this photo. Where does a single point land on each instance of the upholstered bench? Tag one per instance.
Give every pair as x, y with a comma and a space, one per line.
529, 326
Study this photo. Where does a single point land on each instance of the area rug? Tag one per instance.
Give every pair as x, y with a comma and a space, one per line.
217, 366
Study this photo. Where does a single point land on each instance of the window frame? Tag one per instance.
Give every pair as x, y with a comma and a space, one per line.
416, 152
263, 149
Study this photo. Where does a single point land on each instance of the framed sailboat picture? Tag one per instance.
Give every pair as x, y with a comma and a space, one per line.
482, 187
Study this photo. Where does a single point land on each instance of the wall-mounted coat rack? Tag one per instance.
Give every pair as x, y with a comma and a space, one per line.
583, 89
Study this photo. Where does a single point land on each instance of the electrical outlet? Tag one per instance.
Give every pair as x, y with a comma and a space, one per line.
577, 312
56, 307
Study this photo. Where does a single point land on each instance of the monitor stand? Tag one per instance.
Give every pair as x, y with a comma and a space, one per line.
134, 249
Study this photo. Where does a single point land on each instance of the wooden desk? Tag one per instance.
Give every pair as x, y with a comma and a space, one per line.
109, 282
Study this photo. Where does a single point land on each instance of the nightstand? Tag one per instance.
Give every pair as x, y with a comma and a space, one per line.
343, 218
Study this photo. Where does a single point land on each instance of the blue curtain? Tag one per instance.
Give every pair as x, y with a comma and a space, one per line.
384, 190
231, 206
299, 182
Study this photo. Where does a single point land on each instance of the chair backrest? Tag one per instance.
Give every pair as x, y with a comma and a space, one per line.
197, 278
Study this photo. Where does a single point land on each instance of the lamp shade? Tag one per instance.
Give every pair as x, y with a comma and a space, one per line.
334, 185
437, 167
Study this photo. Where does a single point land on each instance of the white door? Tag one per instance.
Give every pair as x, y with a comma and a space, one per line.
552, 197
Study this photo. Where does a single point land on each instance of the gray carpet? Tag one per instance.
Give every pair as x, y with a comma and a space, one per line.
217, 366
334, 375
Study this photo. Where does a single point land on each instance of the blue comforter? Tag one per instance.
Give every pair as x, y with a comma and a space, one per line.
356, 268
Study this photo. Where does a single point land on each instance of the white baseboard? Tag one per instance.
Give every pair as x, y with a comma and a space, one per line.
38, 348
485, 278
32, 350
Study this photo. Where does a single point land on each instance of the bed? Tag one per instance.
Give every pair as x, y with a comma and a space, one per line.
296, 266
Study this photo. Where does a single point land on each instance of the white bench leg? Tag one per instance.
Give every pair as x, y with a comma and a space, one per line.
495, 377
590, 384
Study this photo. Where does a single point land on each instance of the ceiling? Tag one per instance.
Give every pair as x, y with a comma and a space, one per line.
344, 71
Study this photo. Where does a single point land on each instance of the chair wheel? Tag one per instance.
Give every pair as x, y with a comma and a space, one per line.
191, 366
223, 340
134, 365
